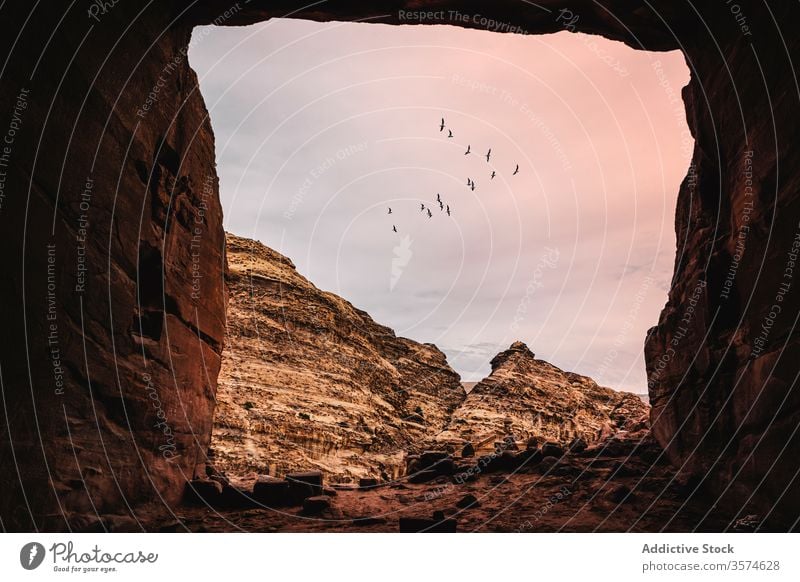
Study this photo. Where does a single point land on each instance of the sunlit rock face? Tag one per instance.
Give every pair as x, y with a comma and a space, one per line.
722, 381
526, 398
309, 381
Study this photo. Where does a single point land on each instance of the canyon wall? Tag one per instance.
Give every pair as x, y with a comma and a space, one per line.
310, 382
113, 311
113, 298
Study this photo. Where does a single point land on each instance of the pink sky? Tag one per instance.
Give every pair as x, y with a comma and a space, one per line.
573, 255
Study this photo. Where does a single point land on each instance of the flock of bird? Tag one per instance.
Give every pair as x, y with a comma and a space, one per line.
470, 182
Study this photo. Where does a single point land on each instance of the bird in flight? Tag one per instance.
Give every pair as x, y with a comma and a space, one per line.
438, 197
394, 228
441, 127
448, 210
466, 152
441, 205
493, 174
449, 133
472, 186
488, 154
390, 210
516, 170
429, 213
421, 207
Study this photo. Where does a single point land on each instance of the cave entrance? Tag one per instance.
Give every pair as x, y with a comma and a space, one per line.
323, 127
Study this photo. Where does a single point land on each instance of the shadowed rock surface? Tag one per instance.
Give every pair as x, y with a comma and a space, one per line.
309, 381
530, 398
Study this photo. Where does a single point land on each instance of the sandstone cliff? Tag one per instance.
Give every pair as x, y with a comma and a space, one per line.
529, 398
309, 381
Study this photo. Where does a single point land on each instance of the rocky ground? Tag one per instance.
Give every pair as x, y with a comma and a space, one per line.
623, 484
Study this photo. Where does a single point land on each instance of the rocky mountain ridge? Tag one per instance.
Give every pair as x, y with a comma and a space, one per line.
309, 382
533, 399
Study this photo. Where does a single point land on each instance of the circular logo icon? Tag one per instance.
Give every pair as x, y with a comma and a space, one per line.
31, 555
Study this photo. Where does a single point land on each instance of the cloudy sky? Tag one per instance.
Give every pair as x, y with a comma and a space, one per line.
322, 127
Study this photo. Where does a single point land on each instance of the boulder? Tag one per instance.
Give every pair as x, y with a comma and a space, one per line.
488, 463
578, 445
430, 458
445, 466
507, 461
303, 485
234, 497
547, 463
423, 476
440, 461
221, 479
203, 492
316, 505
467, 501
271, 491
533, 443
617, 447
552, 449
528, 458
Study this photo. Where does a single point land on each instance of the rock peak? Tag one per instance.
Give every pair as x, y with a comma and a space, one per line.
529, 398
517, 347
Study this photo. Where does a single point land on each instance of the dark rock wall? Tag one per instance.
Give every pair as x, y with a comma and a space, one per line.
95, 445
723, 360
109, 373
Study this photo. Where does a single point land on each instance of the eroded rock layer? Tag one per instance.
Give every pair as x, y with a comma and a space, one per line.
309, 381
526, 398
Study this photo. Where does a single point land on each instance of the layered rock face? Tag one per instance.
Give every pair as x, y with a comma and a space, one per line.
309, 381
528, 399
80, 422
